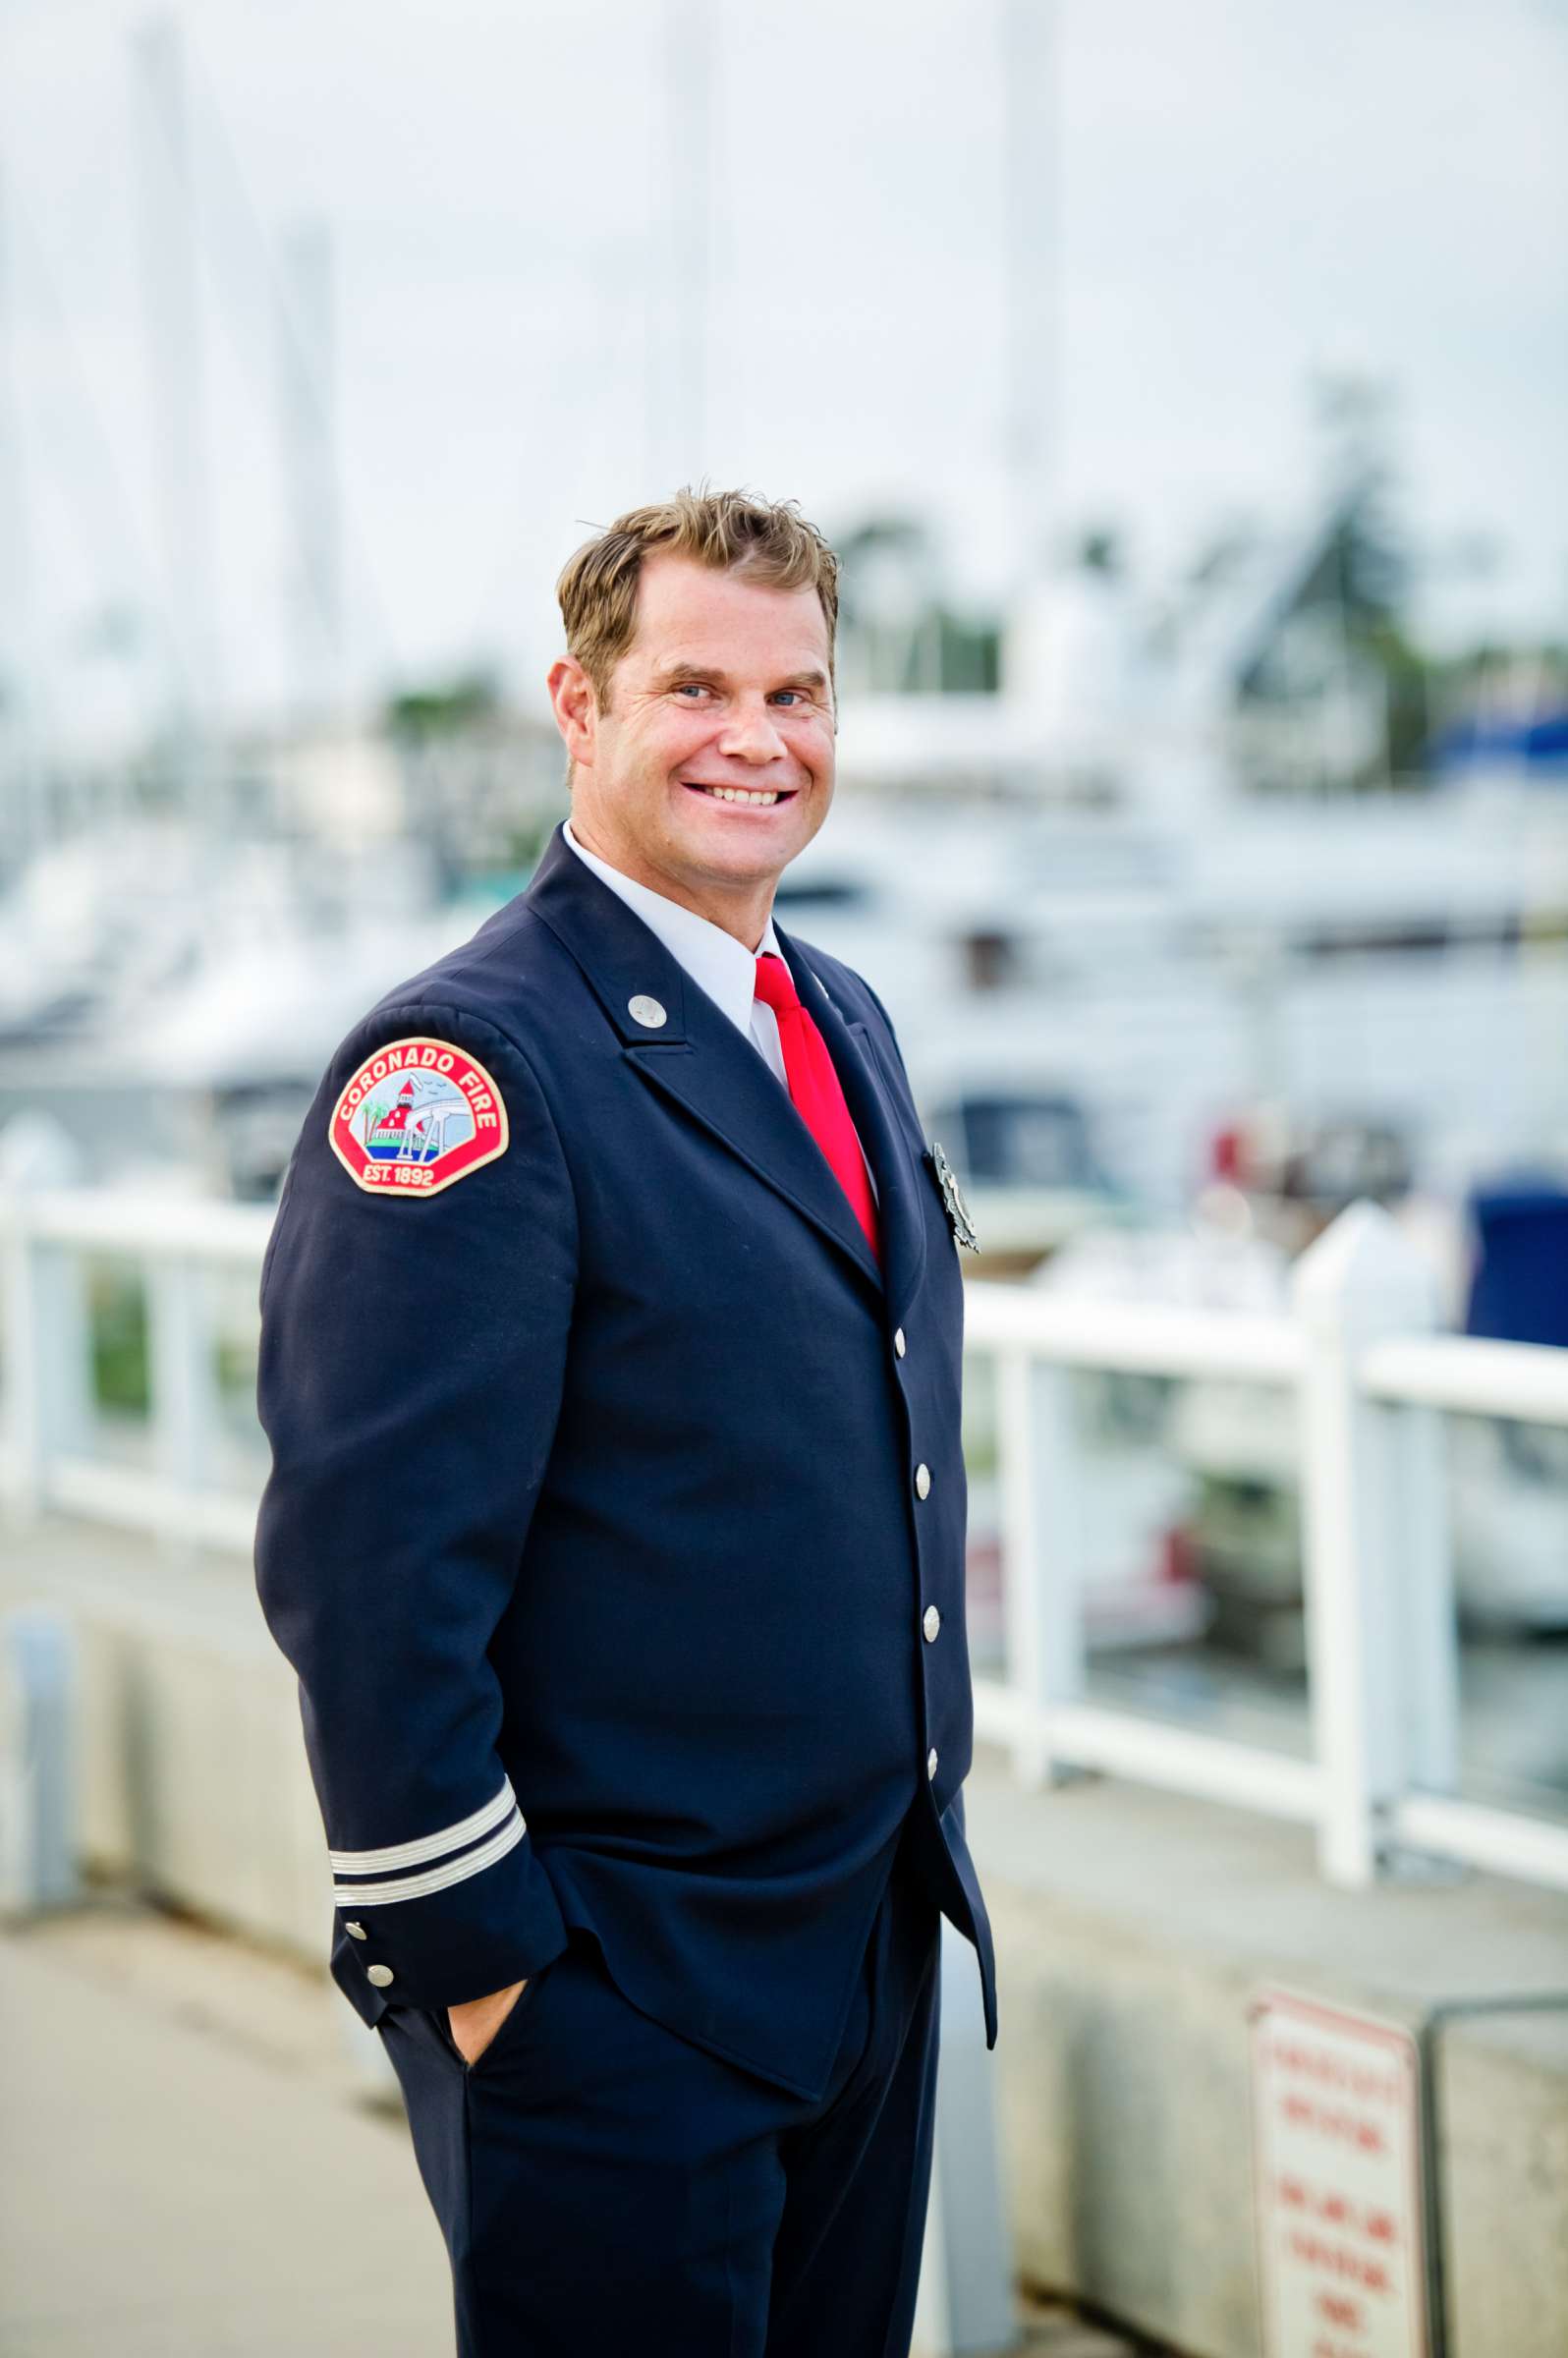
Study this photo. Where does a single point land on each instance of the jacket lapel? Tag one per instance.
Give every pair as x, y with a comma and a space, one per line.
695, 1059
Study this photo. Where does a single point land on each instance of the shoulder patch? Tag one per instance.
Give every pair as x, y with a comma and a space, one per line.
417, 1116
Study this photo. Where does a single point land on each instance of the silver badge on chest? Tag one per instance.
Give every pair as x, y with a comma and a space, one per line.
952, 1196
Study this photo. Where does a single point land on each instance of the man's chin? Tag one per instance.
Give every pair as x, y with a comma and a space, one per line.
736, 853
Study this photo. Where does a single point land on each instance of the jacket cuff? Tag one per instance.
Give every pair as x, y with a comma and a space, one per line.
423, 1935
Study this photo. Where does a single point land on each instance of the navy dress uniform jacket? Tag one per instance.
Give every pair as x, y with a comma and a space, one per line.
616, 1519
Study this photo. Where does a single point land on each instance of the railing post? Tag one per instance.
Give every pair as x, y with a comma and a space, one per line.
966, 2301
48, 1358
39, 1719
47, 1339
1421, 1541
1373, 1549
18, 1400
184, 1385
1042, 1586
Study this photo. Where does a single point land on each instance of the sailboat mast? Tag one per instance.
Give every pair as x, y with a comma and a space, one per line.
1032, 175
22, 817
179, 406
307, 429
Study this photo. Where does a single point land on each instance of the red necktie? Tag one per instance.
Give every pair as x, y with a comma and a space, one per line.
814, 1090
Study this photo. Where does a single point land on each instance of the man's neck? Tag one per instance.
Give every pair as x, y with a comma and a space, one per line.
742, 914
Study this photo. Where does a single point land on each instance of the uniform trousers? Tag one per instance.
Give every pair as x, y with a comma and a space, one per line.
605, 2186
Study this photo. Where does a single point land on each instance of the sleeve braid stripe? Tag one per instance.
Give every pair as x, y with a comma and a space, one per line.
427, 1846
435, 1879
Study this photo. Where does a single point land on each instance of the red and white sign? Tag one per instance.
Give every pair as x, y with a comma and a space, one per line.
417, 1115
1337, 2167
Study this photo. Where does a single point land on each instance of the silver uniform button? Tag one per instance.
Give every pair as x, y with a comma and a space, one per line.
356, 1932
923, 1481
932, 1623
382, 1974
644, 1010
898, 1342
931, 1771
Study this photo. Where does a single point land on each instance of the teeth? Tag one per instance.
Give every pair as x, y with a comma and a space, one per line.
742, 794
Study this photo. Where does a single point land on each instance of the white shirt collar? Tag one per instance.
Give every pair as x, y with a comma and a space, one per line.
715, 961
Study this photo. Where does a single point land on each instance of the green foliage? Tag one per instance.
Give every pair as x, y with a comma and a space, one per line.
523, 847
897, 632
117, 1311
444, 711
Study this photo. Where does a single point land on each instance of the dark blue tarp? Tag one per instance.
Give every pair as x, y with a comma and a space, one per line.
1519, 1292
1539, 746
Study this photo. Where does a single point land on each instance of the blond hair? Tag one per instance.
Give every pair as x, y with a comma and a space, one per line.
731, 531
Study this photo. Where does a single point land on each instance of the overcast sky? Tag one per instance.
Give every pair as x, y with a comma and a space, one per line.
1240, 194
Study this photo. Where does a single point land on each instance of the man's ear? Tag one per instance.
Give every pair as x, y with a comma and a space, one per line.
575, 709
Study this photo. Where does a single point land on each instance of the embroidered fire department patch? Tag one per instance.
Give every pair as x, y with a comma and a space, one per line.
417, 1116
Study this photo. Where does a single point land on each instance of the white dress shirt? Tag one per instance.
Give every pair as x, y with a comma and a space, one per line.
715, 961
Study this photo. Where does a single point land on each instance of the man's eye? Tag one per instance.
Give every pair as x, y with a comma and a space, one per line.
798, 694
692, 688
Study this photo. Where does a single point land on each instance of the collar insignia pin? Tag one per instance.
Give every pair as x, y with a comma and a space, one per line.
952, 1195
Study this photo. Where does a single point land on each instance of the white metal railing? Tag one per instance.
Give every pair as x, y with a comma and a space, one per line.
47, 1460
1370, 1378
1359, 1352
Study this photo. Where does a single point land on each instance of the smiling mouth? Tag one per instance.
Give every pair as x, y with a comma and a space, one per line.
755, 798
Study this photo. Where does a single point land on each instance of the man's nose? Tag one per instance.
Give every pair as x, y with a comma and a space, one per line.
750, 734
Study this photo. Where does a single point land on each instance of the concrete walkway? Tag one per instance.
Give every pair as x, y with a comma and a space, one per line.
187, 2167
193, 2168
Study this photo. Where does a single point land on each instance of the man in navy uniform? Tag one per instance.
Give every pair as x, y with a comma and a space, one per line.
610, 1361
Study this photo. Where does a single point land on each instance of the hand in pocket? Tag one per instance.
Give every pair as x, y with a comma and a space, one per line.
476, 2022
